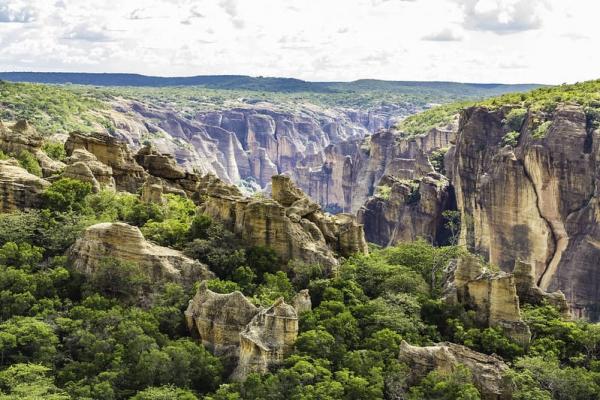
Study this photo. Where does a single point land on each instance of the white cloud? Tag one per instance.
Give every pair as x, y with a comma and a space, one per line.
503, 16
17, 12
466, 40
445, 35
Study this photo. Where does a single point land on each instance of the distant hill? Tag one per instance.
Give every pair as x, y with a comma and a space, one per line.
242, 82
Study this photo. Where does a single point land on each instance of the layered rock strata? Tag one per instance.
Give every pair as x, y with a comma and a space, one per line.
18, 188
536, 201
488, 371
406, 210
124, 242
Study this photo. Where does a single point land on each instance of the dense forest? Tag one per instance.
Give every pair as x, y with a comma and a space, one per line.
65, 336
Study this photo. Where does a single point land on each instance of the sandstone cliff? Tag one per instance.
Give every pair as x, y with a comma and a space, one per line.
488, 371
406, 210
126, 242
535, 201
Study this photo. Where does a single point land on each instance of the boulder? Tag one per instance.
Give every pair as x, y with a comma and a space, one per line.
125, 242
488, 371
18, 188
159, 165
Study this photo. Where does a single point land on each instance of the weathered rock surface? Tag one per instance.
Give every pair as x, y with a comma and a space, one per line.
487, 371
530, 293
409, 211
125, 242
18, 188
267, 339
493, 295
84, 166
536, 202
290, 223
217, 319
21, 136
127, 173
249, 337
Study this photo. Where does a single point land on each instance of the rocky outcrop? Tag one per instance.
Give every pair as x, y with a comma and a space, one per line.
84, 166
267, 339
488, 371
493, 295
159, 165
127, 173
249, 337
125, 242
289, 223
530, 293
404, 211
217, 319
302, 302
22, 136
18, 188
537, 201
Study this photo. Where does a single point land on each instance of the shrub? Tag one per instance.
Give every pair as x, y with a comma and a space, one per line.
55, 150
66, 195
541, 131
515, 118
511, 139
29, 162
383, 192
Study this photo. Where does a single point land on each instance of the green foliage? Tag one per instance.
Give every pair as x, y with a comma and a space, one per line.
435, 117
383, 192
119, 279
51, 109
457, 385
437, 159
541, 131
515, 119
29, 162
164, 393
174, 227
29, 382
55, 150
66, 194
511, 139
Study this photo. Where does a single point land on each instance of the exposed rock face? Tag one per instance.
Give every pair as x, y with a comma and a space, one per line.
349, 172
218, 320
530, 293
536, 202
230, 326
159, 165
128, 175
487, 371
267, 339
493, 295
126, 242
21, 136
84, 166
302, 301
18, 188
290, 223
411, 210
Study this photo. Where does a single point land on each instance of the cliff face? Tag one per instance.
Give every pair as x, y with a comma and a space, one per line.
536, 202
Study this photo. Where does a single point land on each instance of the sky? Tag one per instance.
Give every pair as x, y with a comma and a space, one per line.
504, 41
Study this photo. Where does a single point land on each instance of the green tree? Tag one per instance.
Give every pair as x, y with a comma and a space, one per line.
66, 195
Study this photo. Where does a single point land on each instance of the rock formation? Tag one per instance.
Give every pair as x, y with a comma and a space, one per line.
493, 295
217, 319
18, 188
249, 337
409, 210
536, 202
128, 174
21, 136
530, 293
488, 371
84, 166
302, 301
290, 223
125, 242
267, 339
